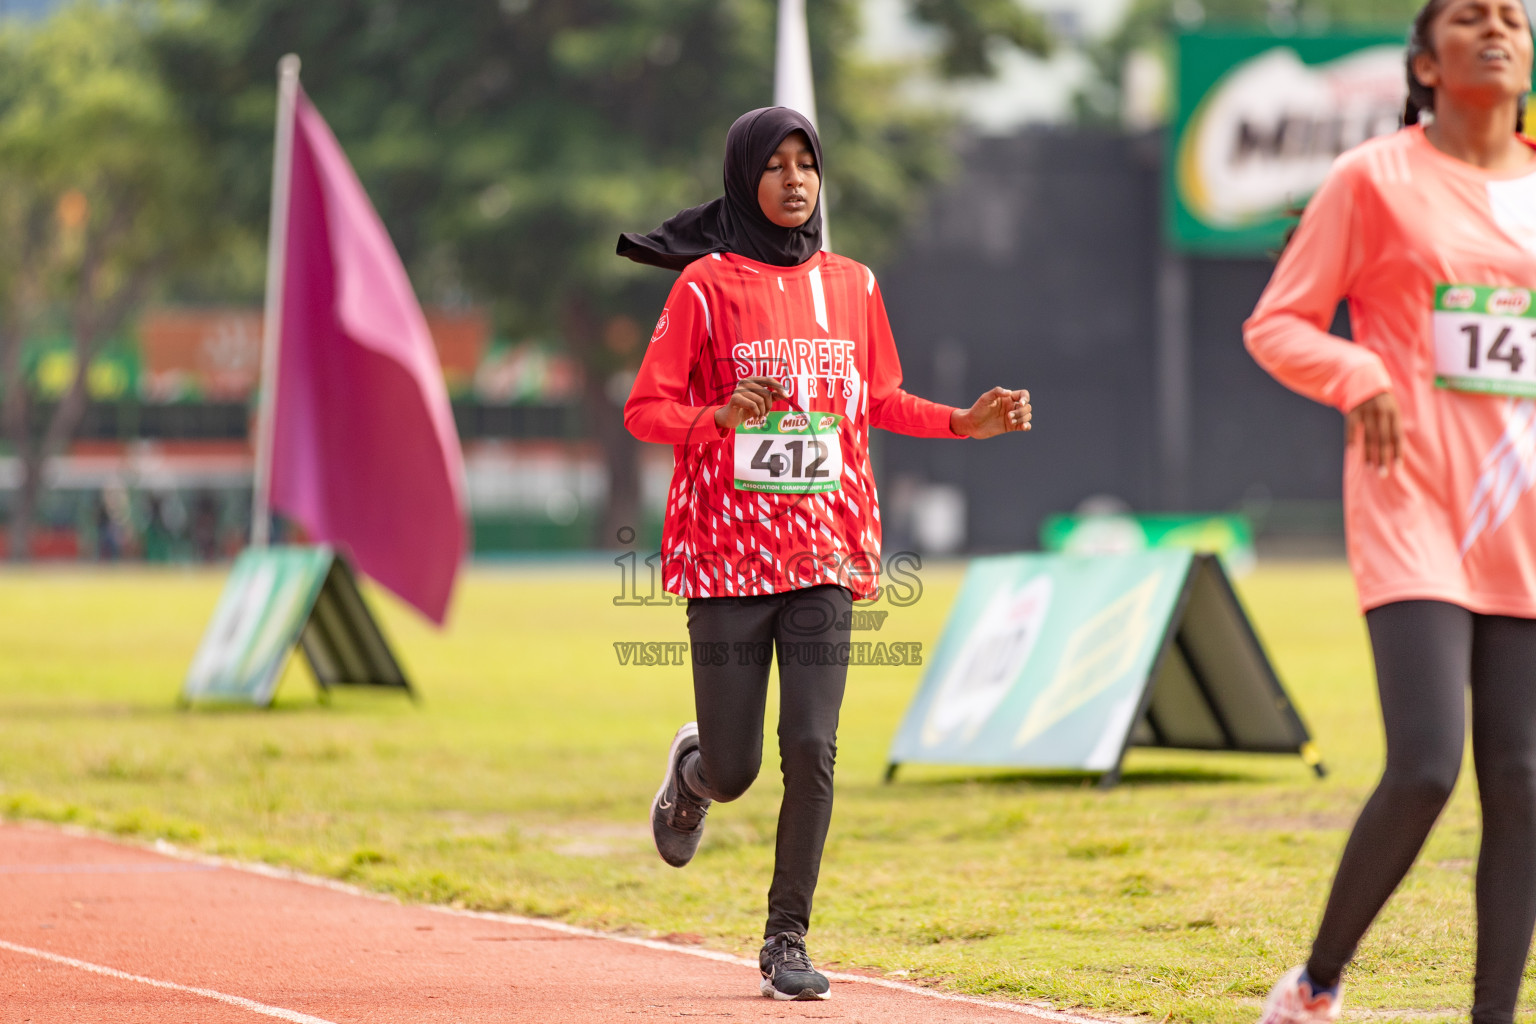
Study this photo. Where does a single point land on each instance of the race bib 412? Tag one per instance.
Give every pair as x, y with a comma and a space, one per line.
790, 453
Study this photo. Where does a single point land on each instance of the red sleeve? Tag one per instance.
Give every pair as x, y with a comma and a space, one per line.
1288, 332
660, 406
891, 408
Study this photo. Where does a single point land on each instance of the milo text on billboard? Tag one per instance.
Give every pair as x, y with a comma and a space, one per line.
1258, 122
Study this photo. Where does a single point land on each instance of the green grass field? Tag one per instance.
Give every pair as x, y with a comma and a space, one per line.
521, 783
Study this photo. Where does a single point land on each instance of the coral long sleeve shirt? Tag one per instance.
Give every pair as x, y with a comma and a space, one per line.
789, 502
1437, 259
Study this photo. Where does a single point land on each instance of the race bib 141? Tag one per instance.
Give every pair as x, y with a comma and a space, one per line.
790, 453
1485, 339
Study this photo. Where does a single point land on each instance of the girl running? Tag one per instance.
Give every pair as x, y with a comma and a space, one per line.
1431, 235
770, 363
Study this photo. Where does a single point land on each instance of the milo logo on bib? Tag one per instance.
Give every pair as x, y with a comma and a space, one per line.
1509, 302
1485, 339
794, 423
1458, 298
789, 453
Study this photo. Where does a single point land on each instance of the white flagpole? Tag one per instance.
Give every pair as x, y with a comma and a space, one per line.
271, 335
792, 85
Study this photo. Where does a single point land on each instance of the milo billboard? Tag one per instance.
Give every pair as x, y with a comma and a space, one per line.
1259, 119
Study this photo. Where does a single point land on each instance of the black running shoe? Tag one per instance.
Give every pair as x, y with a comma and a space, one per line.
677, 819
787, 970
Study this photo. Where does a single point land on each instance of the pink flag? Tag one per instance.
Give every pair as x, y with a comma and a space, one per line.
365, 454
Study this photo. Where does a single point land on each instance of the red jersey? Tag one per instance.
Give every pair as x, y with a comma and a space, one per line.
788, 501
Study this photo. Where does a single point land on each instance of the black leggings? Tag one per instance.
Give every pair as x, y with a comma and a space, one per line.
1428, 655
733, 639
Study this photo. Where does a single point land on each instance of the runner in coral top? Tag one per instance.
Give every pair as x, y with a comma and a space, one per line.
1431, 253
1430, 234
769, 366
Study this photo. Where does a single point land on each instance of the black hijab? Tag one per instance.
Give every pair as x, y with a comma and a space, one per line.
735, 222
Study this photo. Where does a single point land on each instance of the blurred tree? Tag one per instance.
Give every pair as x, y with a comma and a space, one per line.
507, 144
1149, 25
974, 29
102, 192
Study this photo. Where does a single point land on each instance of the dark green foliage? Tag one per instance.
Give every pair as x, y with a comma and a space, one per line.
976, 29
103, 192
507, 145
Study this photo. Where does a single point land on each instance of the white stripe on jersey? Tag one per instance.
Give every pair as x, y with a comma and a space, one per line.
818, 298
709, 327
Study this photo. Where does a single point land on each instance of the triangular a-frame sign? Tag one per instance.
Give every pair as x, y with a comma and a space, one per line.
1214, 687
278, 598
1066, 662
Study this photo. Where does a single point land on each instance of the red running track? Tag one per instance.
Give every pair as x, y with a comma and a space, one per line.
92, 930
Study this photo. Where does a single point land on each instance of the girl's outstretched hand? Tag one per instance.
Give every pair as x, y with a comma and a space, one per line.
753, 397
996, 412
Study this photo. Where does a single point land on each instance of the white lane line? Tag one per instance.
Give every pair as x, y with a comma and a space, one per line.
726, 958
206, 993
102, 869
269, 871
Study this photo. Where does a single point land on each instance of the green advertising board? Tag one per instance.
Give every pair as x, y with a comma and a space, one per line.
1258, 119
1226, 535
277, 598
1065, 662
114, 372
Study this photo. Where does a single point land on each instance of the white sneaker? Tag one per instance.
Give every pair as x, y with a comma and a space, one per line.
1292, 1001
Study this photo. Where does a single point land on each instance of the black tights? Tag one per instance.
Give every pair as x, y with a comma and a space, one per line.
1428, 655
734, 639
